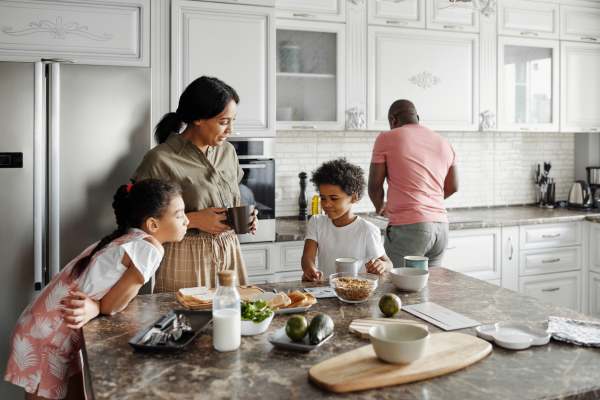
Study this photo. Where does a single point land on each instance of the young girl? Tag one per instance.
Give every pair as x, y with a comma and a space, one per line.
44, 356
340, 233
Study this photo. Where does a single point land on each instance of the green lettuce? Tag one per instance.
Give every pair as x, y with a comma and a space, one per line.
255, 311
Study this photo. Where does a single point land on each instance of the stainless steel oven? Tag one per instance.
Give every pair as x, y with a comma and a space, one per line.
257, 159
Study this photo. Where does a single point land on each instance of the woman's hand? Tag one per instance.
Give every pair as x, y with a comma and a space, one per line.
377, 266
311, 274
79, 309
209, 220
254, 221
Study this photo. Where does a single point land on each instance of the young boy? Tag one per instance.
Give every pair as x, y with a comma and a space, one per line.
340, 233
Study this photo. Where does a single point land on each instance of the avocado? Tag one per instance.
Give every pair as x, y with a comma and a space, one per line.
320, 327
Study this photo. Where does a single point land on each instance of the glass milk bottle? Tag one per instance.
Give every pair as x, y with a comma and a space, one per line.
226, 314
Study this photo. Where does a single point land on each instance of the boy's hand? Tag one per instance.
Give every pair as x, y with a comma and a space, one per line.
79, 309
311, 274
376, 266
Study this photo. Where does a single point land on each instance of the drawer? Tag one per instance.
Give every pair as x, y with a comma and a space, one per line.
257, 259
550, 235
474, 252
550, 260
561, 289
291, 256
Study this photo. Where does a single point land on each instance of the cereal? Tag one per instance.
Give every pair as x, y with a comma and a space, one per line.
353, 288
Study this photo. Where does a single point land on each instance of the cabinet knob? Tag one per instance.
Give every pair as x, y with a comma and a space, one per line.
395, 22
591, 38
528, 33
303, 127
552, 260
302, 15
554, 236
452, 27
554, 289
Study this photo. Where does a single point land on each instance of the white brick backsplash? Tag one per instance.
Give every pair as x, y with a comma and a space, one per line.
495, 168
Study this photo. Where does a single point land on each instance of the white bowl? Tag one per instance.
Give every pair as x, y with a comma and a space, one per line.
411, 279
251, 328
399, 343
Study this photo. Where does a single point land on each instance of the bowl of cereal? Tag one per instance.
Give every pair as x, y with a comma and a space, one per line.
353, 288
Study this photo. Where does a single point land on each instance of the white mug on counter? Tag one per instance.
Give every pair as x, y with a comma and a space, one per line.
347, 264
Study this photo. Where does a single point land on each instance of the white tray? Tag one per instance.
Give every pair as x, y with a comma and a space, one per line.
513, 335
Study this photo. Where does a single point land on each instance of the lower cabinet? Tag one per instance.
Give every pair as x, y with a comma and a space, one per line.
273, 262
561, 289
594, 285
474, 252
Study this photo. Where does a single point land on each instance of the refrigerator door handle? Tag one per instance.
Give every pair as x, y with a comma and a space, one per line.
39, 173
54, 168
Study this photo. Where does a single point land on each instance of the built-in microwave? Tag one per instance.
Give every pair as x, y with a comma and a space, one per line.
257, 159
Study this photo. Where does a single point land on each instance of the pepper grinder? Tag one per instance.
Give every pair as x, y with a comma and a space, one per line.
302, 201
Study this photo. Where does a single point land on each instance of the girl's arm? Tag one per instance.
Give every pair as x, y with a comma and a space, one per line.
309, 267
126, 288
379, 265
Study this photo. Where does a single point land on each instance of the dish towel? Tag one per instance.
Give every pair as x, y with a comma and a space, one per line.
582, 333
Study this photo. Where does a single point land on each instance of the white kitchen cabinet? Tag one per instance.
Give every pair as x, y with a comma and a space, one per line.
580, 24
91, 32
543, 261
594, 299
580, 86
528, 19
475, 252
510, 257
259, 258
594, 247
273, 262
235, 43
441, 78
550, 235
265, 3
290, 256
452, 15
561, 289
310, 75
288, 276
528, 84
324, 10
408, 13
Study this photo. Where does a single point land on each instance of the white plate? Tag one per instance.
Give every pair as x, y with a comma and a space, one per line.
513, 335
281, 340
293, 310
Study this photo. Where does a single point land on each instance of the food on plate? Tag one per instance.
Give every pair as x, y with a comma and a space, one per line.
390, 304
301, 299
279, 300
296, 328
256, 311
320, 327
352, 288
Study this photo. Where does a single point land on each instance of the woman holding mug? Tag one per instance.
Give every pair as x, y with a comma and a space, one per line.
206, 167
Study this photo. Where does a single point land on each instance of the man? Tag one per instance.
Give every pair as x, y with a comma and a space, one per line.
420, 169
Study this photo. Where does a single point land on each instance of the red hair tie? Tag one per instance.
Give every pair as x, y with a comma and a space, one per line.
129, 186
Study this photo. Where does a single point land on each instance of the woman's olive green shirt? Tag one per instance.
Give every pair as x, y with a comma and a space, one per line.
207, 180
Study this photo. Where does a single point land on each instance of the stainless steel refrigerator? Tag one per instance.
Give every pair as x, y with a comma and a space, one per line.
69, 136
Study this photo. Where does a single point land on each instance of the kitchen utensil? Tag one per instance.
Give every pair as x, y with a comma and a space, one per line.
289, 57
353, 288
281, 340
360, 327
440, 316
513, 335
593, 175
399, 344
360, 369
347, 264
579, 195
409, 279
239, 218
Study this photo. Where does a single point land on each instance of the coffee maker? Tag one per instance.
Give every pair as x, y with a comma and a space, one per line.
593, 178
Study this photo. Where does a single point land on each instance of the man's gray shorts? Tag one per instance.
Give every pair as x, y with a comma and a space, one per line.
422, 239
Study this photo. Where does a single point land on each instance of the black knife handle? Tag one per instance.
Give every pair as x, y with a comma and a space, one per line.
164, 321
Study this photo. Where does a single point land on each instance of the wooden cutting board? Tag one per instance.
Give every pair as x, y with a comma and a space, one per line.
360, 327
360, 369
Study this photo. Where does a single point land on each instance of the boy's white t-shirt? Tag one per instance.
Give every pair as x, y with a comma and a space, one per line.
359, 239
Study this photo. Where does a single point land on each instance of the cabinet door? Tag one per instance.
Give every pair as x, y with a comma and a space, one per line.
543, 261
310, 75
91, 32
258, 259
580, 87
550, 235
580, 23
234, 43
441, 78
452, 15
594, 247
325, 10
527, 84
409, 13
290, 254
561, 289
528, 18
594, 294
474, 252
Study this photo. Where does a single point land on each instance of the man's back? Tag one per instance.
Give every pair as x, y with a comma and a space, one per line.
417, 162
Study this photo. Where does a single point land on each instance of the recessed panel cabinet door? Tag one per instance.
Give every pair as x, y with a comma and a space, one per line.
234, 43
452, 15
438, 71
325, 10
580, 23
408, 13
528, 19
580, 87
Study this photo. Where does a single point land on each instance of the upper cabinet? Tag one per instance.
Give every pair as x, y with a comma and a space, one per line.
527, 84
452, 15
528, 19
580, 23
310, 75
438, 71
324, 10
235, 43
408, 13
94, 32
580, 87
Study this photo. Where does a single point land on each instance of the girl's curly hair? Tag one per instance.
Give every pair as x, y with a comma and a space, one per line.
349, 177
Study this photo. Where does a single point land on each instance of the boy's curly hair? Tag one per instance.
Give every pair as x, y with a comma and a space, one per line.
349, 177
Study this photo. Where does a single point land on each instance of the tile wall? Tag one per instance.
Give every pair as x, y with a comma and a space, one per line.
495, 168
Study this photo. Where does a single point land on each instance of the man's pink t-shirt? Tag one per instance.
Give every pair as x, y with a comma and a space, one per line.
417, 161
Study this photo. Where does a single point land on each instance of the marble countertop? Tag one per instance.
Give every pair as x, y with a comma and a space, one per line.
259, 371
290, 229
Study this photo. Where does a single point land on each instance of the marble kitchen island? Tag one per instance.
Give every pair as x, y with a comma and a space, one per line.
260, 371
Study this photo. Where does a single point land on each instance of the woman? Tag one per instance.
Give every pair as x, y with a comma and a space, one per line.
206, 167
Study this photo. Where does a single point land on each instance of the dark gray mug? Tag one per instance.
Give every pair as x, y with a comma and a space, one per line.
239, 218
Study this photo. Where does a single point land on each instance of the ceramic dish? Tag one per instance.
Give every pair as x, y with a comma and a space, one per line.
409, 279
353, 288
399, 343
251, 328
281, 340
513, 335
